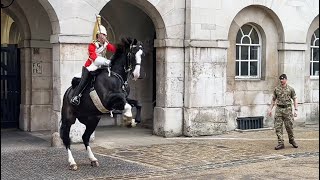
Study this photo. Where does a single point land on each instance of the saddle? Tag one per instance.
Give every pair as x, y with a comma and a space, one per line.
76, 80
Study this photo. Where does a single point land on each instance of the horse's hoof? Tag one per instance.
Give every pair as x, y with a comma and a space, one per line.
126, 121
94, 163
129, 126
133, 123
73, 167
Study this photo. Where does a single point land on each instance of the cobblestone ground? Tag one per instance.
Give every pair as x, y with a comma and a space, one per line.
236, 155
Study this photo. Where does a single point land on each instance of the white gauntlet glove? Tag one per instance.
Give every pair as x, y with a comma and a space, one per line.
107, 62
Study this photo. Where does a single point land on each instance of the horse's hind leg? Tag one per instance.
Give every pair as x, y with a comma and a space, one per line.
137, 105
64, 134
91, 124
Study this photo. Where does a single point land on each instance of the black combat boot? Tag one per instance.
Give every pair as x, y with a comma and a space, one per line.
293, 143
280, 146
85, 77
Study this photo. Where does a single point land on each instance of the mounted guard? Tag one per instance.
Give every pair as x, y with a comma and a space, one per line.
97, 58
102, 89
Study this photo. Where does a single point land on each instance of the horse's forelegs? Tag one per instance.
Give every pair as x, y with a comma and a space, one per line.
137, 105
127, 116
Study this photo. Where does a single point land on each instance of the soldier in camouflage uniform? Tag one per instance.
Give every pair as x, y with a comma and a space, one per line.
282, 97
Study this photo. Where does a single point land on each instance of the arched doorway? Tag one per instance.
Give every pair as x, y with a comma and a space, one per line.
30, 31
10, 72
125, 19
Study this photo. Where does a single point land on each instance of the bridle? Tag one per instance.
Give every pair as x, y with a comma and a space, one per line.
131, 61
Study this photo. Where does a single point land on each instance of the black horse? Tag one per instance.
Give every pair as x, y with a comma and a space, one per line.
107, 91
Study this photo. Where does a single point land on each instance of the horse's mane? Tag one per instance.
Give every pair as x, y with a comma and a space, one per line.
120, 50
122, 46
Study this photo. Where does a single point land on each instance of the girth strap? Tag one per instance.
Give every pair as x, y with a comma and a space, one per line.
97, 102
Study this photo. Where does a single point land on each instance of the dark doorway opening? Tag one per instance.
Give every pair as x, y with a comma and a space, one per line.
10, 86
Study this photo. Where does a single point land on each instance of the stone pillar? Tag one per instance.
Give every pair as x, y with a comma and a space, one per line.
25, 61
69, 55
205, 87
36, 85
168, 113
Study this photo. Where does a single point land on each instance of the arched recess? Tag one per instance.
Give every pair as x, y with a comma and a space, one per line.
154, 15
55, 26
14, 34
311, 83
272, 33
33, 22
312, 28
141, 20
16, 13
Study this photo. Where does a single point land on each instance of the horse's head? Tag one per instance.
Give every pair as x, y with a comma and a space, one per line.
134, 52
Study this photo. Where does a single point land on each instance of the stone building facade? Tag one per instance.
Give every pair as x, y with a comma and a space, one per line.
207, 63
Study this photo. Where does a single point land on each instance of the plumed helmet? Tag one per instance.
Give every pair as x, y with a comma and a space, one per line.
102, 30
98, 28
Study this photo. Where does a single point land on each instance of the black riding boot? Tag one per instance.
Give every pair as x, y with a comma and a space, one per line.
85, 77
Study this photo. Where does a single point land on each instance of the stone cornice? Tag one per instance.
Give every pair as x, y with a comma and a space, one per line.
70, 38
191, 43
285, 46
35, 44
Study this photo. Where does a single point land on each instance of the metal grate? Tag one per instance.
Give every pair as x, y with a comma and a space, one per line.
250, 122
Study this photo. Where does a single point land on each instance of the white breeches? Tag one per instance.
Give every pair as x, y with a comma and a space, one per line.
100, 61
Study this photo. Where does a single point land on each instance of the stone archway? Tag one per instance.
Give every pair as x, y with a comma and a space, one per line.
36, 64
132, 13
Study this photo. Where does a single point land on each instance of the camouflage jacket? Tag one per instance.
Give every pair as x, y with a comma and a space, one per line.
284, 95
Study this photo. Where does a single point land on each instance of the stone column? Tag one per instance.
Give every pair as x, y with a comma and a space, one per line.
36, 85
168, 113
69, 55
26, 86
205, 87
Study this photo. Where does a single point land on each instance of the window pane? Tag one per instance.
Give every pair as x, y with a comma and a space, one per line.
254, 52
246, 40
314, 36
315, 69
237, 68
317, 33
244, 68
244, 52
254, 37
253, 68
237, 52
312, 40
315, 54
246, 29
239, 35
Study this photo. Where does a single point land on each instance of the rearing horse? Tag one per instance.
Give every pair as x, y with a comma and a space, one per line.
105, 93
132, 61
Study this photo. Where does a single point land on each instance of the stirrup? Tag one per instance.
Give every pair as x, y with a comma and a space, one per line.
75, 100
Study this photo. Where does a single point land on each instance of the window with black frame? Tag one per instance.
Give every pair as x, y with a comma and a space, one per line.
248, 53
314, 57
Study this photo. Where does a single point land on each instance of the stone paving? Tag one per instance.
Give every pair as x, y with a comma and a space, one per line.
135, 154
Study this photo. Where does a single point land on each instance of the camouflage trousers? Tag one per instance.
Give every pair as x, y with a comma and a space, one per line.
283, 116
